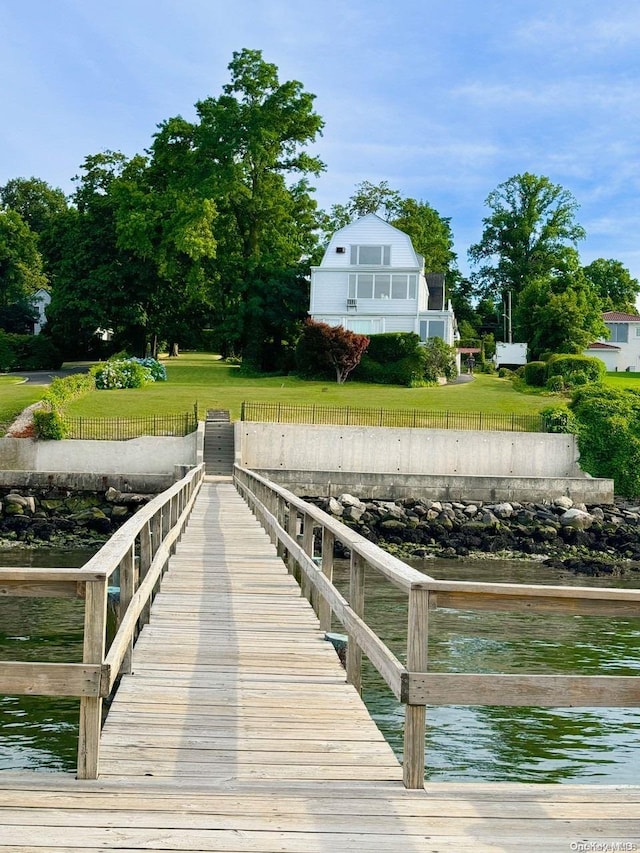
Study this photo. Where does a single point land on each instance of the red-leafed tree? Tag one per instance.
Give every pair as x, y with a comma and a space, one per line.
322, 347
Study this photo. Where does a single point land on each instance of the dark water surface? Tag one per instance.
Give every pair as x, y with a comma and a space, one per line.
597, 745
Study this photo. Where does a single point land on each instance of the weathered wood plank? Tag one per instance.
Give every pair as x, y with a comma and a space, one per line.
50, 679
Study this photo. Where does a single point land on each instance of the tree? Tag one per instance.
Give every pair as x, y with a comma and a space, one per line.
439, 360
614, 285
322, 346
560, 313
249, 146
21, 272
367, 198
529, 234
36, 202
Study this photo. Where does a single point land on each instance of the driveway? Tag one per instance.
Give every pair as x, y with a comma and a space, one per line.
44, 377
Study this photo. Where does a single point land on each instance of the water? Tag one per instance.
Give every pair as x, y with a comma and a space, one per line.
40, 732
463, 743
492, 743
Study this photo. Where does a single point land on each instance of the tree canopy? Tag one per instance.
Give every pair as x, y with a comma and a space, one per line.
614, 285
529, 233
21, 271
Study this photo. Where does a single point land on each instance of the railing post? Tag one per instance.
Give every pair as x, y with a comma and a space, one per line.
307, 547
146, 556
292, 530
415, 715
279, 513
356, 601
127, 589
95, 621
324, 610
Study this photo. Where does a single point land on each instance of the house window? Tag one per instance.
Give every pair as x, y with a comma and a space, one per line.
370, 256
431, 329
619, 332
382, 286
364, 327
637, 331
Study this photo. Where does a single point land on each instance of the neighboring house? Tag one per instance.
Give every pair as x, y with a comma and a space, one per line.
622, 350
40, 300
371, 280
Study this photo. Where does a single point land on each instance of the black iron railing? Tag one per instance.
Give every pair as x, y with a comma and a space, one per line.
354, 416
123, 429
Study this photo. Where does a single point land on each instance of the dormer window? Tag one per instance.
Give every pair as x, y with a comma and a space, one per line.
370, 256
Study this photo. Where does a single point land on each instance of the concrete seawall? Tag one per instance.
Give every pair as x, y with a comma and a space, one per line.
398, 463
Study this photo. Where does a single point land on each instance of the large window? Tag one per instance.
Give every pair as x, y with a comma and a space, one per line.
367, 285
364, 327
431, 329
619, 332
370, 256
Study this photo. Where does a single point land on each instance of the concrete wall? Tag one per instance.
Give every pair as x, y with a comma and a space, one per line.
148, 463
396, 463
442, 487
406, 451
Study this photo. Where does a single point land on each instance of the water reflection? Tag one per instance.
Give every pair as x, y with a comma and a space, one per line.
503, 743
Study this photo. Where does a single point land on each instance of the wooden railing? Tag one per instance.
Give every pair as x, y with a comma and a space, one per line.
140, 550
283, 514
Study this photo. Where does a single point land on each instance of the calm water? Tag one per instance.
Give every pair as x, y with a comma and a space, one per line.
600, 745
463, 743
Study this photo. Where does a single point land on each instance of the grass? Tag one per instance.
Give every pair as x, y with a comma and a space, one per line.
15, 395
213, 384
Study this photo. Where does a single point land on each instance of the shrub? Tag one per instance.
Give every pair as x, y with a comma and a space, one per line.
157, 370
535, 373
28, 352
122, 373
558, 419
322, 347
439, 360
395, 358
608, 423
555, 383
505, 373
49, 424
569, 365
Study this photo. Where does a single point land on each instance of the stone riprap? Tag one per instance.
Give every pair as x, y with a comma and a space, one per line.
61, 517
593, 540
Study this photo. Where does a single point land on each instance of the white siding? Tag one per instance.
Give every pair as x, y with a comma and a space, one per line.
370, 230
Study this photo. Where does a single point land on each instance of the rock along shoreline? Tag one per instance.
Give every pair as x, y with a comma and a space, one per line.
595, 540
63, 518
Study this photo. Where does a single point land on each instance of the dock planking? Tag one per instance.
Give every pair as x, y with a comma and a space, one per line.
237, 732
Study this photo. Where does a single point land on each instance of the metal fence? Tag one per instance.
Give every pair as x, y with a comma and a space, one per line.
123, 429
353, 416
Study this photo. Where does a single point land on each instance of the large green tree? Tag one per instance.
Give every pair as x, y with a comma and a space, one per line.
250, 156
529, 233
21, 270
559, 312
614, 285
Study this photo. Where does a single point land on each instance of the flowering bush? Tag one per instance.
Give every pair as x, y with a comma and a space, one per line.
158, 371
129, 373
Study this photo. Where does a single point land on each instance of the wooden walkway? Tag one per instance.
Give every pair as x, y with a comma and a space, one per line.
236, 732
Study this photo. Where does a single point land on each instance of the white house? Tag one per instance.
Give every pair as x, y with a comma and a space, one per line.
40, 300
371, 280
622, 350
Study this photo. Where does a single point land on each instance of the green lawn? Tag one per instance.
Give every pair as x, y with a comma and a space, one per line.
215, 385
624, 380
15, 395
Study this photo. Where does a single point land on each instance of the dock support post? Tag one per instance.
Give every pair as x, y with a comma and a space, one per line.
95, 621
415, 715
324, 610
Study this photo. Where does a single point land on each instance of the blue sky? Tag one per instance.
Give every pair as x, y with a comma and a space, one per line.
443, 100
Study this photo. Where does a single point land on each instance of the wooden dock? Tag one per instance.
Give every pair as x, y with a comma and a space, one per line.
236, 732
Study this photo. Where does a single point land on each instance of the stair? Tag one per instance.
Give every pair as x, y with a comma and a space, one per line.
218, 443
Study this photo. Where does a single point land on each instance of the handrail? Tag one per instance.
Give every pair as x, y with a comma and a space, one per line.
140, 549
276, 507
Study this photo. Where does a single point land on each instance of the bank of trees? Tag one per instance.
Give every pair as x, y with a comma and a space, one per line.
215, 226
